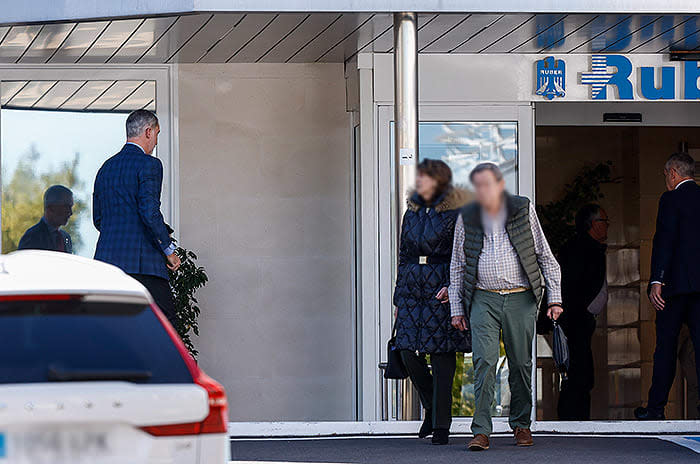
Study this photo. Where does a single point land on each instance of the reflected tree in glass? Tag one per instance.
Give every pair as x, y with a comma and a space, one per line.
23, 197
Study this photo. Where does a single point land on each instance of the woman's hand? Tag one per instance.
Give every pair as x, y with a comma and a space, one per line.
442, 295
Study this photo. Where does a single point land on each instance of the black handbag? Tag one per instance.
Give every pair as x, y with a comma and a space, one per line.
395, 368
560, 350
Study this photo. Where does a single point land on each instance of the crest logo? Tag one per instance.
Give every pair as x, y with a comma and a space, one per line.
551, 78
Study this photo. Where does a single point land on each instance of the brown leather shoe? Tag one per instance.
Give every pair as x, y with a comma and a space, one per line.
523, 437
480, 442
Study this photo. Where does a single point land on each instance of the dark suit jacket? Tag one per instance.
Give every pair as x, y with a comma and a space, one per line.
126, 211
40, 237
675, 259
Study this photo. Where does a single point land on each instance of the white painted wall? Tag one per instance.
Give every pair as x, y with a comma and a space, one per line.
266, 203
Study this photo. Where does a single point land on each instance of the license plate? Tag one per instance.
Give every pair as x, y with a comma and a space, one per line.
57, 446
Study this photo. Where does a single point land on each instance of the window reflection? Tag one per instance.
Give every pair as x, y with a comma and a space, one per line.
45, 148
463, 145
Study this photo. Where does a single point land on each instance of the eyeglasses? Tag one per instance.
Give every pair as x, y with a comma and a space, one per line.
606, 221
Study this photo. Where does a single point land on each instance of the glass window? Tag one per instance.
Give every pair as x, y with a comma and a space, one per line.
43, 148
463, 145
73, 340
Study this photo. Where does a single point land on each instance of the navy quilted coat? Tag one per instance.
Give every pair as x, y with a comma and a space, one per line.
423, 323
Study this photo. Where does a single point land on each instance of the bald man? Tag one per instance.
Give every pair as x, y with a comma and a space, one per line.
47, 234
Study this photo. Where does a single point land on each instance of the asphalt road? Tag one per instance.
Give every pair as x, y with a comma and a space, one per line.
547, 449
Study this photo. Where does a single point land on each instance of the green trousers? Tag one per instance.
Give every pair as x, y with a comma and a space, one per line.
515, 316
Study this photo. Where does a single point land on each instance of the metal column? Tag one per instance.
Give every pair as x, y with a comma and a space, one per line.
406, 149
405, 102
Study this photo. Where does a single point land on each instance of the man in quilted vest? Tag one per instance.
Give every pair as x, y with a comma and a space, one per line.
500, 258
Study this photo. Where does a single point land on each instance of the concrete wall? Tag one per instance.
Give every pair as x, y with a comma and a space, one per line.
265, 201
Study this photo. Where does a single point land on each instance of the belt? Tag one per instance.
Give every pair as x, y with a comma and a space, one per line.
427, 260
506, 291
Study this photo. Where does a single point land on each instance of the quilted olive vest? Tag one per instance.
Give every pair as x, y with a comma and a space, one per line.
520, 235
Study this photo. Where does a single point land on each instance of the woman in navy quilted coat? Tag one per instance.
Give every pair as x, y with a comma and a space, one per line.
423, 324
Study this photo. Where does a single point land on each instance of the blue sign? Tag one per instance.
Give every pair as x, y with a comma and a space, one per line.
551, 78
3, 451
599, 78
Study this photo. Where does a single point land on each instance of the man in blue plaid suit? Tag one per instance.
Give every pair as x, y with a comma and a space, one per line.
126, 212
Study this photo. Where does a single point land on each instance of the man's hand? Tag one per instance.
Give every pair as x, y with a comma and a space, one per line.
655, 297
554, 311
173, 262
459, 323
442, 295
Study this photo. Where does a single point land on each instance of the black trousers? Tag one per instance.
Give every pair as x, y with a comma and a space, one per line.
434, 389
575, 396
162, 294
679, 310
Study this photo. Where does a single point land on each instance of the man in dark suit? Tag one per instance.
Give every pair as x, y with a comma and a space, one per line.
47, 234
126, 212
674, 287
584, 293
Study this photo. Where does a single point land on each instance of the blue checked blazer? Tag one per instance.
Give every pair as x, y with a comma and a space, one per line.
126, 211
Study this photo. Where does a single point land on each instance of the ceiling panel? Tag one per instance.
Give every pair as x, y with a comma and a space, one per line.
557, 37
30, 93
335, 37
142, 39
209, 35
506, 25
433, 30
58, 94
87, 94
460, 33
298, 38
690, 39
669, 29
338, 31
8, 89
385, 42
47, 42
139, 98
16, 41
78, 41
523, 33
604, 31
109, 41
280, 27
239, 36
174, 38
114, 95
359, 38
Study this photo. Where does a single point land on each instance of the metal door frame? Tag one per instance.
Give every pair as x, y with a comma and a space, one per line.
388, 197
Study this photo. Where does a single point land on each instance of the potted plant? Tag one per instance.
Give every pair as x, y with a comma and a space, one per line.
184, 283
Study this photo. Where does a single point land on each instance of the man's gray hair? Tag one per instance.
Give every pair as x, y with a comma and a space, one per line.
138, 121
58, 195
682, 163
487, 166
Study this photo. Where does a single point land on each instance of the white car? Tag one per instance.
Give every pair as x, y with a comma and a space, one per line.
92, 372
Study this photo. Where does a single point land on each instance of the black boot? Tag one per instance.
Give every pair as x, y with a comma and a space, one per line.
441, 436
427, 427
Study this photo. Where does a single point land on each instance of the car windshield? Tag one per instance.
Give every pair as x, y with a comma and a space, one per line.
72, 340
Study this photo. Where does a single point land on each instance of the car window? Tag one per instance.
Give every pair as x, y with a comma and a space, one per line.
73, 340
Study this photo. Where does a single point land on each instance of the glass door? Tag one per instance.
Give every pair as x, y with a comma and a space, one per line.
462, 137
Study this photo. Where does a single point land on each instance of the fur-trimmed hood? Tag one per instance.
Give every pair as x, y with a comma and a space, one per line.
454, 198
